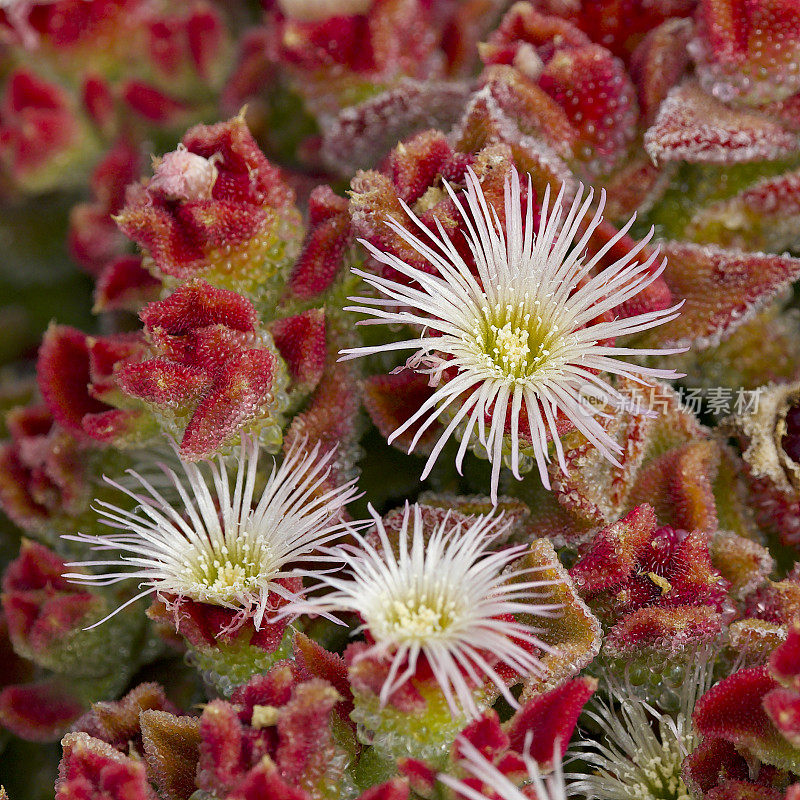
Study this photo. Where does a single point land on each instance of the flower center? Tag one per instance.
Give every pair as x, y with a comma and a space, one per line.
513, 340
219, 574
658, 777
417, 618
511, 348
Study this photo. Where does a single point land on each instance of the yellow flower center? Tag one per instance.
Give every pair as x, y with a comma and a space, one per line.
221, 575
511, 347
418, 618
513, 340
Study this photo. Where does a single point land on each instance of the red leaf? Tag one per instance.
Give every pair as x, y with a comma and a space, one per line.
551, 718
197, 304
693, 126
37, 712
243, 387
301, 342
63, 373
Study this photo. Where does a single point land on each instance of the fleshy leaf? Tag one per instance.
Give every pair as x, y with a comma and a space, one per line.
551, 718
91, 768
693, 126
747, 52
171, 752
722, 288
301, 341
733, 710
38, 712
573, 635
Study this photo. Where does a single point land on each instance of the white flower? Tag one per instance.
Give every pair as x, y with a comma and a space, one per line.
221, 550
478, 766
641, 752
442, 599
520, 334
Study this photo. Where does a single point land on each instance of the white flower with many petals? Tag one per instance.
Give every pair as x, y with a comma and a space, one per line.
445, 598
523, 332
227, 547
640, 753
550, 787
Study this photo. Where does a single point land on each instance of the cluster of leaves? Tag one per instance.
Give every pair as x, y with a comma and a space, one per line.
219, 281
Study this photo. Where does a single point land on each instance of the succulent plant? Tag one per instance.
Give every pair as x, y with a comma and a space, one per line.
435, 430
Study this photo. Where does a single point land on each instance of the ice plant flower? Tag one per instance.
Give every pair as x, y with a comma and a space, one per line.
479, 767
640, 751
223, 549
445, 600
527, 331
